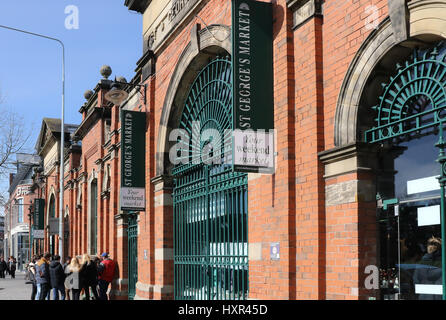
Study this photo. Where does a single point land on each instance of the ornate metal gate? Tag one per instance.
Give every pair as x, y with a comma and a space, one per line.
210, 201
414, 99
413, 105
132, 238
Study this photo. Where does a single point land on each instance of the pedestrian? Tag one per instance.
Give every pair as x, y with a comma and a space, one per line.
89, 275
43, 276
32, 276
73, 280
65, 265
3, 267
12, 264
106, 273
57, 278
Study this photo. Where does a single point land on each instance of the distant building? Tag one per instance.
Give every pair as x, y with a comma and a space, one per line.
17, 221
2, 234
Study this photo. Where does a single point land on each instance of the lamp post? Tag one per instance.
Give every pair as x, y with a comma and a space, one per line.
62, 131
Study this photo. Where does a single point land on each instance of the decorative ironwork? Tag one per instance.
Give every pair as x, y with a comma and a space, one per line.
210, 201
415, 98
132, 238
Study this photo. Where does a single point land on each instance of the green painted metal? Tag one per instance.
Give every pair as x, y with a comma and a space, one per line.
210, 201
441, 144
132, 238
414, 99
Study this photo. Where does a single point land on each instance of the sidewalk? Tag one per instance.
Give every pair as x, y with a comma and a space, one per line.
15, 289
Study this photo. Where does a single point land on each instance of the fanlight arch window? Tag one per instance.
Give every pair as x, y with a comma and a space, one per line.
413, 101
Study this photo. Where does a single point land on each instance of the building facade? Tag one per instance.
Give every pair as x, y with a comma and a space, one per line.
353, 204
18, 210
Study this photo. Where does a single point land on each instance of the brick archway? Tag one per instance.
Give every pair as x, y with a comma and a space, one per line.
204, 44
424, 18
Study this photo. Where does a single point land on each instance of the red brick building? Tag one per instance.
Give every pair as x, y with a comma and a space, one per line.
357, 97
18, 208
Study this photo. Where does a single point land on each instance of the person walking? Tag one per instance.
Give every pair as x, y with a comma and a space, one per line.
73, 280
106, 273
57, 278
3, 268
12, 264
89, 275
43, 276
32, 276
65, 265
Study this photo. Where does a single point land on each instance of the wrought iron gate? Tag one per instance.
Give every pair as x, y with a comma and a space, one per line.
210, 201
132, 238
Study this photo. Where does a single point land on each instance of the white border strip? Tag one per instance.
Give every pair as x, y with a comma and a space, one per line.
423, 185
429, 289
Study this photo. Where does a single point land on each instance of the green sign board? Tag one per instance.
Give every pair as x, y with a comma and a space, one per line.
253, 100
39, 213
133, 145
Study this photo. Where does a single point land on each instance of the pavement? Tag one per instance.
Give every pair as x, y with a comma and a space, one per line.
15, 289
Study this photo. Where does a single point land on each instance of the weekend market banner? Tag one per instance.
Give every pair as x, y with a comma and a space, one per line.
253, 101
133, 143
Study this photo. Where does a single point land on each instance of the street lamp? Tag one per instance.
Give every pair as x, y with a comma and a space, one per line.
115, 94
62, 131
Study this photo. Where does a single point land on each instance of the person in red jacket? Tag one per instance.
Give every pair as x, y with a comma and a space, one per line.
106, 273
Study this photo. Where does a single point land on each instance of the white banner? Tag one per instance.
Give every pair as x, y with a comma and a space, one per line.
133, 199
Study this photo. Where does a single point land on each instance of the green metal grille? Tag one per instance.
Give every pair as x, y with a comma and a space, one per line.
210, 201
414, 100
132, 238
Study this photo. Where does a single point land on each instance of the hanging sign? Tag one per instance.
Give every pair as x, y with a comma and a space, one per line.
253, 101
38, 234
53, 224
39, 210
133, 144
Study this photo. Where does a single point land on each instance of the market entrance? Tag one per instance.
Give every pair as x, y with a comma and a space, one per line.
409, 119
210, 201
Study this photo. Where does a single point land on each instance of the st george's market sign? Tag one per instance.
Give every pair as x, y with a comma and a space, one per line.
133, 144
253, 101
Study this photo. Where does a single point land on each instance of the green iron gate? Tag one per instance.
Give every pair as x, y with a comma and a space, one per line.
132, 238
412, 105
210, 201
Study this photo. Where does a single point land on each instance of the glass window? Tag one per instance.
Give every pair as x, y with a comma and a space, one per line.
20, 210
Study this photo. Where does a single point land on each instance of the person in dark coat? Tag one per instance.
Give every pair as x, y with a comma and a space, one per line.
89, 275
43, 276
3, 267
12, 266
429, 270
57, 278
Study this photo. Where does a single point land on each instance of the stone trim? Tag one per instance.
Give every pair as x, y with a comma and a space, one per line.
304, 10
162, 182
164, 254
347, 159
154, 288
255, 251
349, 192
399, 16
164, 199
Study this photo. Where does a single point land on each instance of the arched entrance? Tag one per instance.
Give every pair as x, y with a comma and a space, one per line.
209, 200
410, 110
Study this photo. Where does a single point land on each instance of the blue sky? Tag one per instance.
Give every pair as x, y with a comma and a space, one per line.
31, 67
